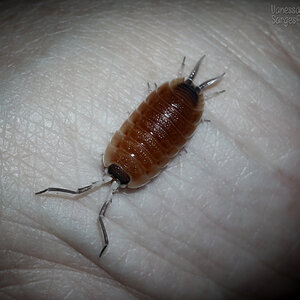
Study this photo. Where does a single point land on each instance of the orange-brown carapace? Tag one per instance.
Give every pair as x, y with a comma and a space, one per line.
156, 131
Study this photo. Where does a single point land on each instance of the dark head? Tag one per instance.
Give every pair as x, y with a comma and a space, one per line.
117, 173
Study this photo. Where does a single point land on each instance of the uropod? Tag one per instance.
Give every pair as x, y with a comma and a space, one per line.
153, 134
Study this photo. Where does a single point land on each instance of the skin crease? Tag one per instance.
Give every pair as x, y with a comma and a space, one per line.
222, 221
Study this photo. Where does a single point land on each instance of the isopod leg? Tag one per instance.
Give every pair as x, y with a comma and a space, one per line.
204, 120
149, 87
114, 188
212, 95
101, 215
81, 190
180, 71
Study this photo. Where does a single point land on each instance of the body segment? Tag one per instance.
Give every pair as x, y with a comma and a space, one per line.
155, 131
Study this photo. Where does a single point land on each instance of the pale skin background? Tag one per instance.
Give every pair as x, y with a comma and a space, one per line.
222, 221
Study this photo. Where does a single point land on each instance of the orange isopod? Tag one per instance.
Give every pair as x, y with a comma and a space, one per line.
153, 134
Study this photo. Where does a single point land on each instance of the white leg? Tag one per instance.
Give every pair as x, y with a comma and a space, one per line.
105, 179
204, 120
113, 189
180, 71
149, 88
208, 96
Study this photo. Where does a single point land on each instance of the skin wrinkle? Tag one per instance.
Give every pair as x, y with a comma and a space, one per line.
66, 242
277, 91
136, 238
274, 38
57, 262
267, 265
109, 283
22, 213
216, 264
259, 157
160, 40
161, 60
169, 262
69, 271
231, 242
70, 140
246, 250
7, 294
267, 130
280, 96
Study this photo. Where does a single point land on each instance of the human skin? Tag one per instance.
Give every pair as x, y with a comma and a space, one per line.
222, 221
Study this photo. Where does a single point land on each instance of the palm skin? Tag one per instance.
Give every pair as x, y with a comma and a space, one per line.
220, 222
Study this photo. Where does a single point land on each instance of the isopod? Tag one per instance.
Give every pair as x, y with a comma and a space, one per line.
153, 134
